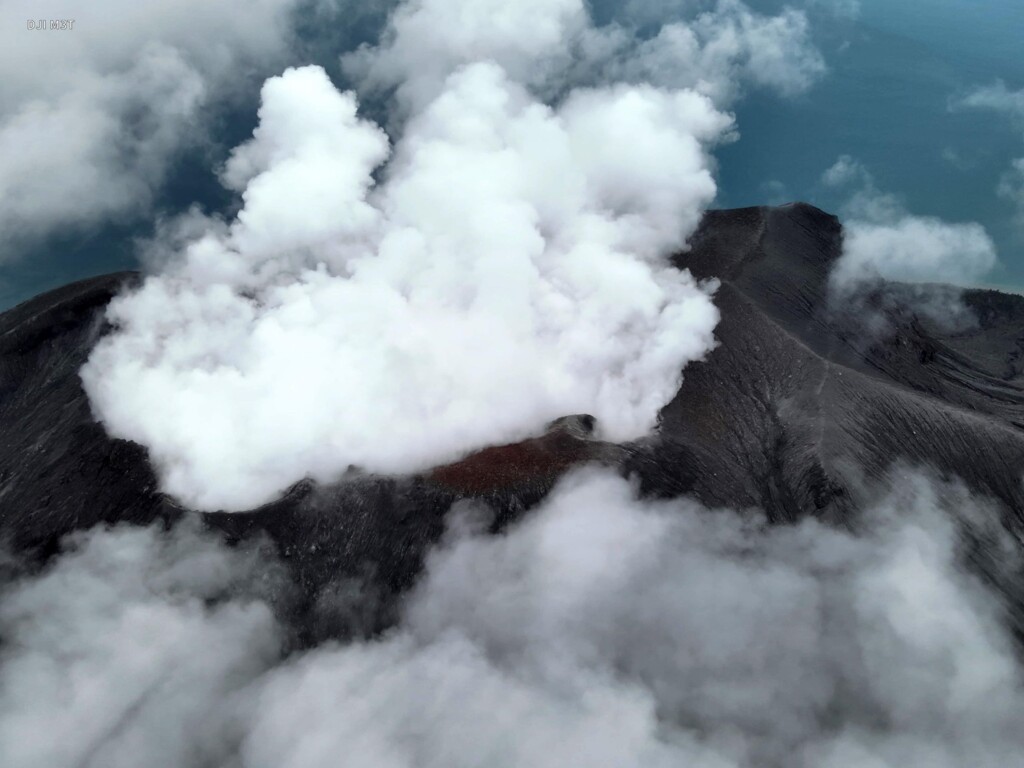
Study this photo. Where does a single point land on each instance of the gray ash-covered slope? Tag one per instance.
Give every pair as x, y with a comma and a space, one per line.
793, 411
800, 404
58, 469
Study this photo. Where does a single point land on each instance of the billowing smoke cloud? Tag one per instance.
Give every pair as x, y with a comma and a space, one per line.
501, 264
716, 48
92, 115
720, 48
882, 241
506, 272
601, 630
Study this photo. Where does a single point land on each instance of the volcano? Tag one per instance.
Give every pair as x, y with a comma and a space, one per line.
798, 411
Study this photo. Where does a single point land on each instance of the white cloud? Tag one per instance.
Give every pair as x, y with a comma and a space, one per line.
427, 40
995, 97
962, 161
600, 630
775, 192
916, 249
715, 48
883, 240
129, 648
92, 116
1011, 188
726, 49
998, 97
845, 170
845, 9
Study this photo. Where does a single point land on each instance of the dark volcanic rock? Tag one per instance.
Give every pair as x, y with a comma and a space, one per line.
797, 407
795, 412
58, 469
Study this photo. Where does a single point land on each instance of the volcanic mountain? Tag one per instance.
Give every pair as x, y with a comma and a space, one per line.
801, 408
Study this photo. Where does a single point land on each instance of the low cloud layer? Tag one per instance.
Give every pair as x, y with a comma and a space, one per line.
390, 303
92, 117
128, 650
600, 630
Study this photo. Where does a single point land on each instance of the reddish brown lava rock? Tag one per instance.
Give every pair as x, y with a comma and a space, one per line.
537, 461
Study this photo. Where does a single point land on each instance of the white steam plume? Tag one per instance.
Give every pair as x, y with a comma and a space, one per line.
715, 48
503, 265
601, 630
727, 48
1011, 189
507, 271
